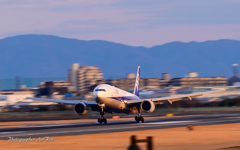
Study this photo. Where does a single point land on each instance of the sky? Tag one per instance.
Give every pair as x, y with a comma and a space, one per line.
131, 22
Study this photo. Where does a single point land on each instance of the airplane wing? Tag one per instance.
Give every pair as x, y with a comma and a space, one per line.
69, 102
171, 99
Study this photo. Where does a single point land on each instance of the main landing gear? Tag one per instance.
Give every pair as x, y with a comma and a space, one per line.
139, 117
102, 119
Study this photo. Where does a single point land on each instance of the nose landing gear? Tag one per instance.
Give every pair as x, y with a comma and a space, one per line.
102, 112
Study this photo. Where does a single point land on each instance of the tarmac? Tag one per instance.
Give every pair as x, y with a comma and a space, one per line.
114, 126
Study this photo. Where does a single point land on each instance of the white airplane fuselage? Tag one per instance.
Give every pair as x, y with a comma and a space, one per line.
112, 97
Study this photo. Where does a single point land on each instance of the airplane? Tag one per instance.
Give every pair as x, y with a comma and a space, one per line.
109, 99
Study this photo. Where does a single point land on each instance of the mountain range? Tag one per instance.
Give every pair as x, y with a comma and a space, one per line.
51, 56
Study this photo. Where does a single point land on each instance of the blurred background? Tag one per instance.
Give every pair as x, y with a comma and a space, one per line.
81, 80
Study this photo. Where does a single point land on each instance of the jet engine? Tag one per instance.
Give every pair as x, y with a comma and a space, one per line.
147, 106
80, 109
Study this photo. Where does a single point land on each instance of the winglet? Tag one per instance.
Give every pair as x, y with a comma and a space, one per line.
136, 87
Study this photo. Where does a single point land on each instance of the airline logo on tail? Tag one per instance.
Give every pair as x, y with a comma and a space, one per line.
136, 88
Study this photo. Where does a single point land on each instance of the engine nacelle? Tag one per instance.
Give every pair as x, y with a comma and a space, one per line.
80, 109
147, 106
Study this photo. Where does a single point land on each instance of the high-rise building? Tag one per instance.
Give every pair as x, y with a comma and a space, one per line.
84, 77
72, 76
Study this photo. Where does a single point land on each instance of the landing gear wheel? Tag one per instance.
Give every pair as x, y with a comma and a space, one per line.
136, 118
104, 120
142, 119
101, 120
139, 119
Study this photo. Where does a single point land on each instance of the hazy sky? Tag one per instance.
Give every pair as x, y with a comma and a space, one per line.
133, 22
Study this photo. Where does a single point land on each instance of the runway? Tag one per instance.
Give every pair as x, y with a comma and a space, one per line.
49, 130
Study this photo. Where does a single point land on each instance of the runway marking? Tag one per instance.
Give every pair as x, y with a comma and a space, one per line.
91, 130
170, 122
11, 132
78, 131
50, 125
234, 117
217, 121
56, 125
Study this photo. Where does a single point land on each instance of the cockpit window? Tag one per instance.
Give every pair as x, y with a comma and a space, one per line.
100, 90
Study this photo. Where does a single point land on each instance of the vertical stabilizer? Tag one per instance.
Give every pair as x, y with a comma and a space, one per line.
136, 88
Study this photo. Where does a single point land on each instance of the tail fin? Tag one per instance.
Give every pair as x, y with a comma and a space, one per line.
136, 88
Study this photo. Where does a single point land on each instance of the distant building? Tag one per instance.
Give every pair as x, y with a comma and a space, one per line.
165, 81
18, 97
152, 83
52, 89
125, 84
234, 79
84, 77
192, 74
192, 80
166, 76
55, 84
199, 81
131, 76
72, 76
15, 83
128, 84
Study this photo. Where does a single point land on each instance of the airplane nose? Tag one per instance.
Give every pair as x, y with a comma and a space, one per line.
96, 96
